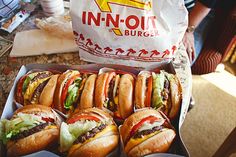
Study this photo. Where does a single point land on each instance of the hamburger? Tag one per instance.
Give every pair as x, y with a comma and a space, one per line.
74, 90
159, 91
89, 132
32, 128
36, 88
146, 132
114, 93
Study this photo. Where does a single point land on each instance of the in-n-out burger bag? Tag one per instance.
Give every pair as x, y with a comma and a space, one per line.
130, 32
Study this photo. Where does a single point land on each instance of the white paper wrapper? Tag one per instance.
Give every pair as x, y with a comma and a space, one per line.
135, 33
40, 42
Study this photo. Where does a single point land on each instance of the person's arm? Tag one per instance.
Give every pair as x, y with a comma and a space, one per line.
196, 15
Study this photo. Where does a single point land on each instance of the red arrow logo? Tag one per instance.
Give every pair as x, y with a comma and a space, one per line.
143, 51
107, 49
154, 52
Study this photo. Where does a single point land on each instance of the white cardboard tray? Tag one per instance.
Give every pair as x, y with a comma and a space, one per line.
179, 148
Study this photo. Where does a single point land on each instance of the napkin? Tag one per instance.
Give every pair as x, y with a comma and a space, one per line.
38, 42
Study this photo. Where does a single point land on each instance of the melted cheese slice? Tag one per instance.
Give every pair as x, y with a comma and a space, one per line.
134, 142
31, 88
51, 127
100, 134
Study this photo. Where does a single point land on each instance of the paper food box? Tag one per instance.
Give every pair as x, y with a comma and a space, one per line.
177, 148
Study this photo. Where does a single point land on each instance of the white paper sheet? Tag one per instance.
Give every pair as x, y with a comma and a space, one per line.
37, 42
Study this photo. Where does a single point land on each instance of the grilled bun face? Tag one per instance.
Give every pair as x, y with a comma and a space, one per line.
87, 95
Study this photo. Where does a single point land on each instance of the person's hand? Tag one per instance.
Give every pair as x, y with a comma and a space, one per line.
188, 41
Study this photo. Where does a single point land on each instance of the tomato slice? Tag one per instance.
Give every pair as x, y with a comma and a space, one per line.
110, 77
79, 117
149, 93
65, 88
156, 70
48, 119
19, 93
117, 116
150, 119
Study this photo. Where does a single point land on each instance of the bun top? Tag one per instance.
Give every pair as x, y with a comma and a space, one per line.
34, 109
135, 118
95, 112
41, 110
125, 96
128, 76
141, 89
67, 74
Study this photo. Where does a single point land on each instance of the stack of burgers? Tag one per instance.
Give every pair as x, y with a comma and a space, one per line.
93, 103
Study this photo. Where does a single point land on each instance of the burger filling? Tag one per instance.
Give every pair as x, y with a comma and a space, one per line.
90, 134
165, 96
31, 131
23, 125
34, 77
78, 130
142, 137
84, 79
160, 89
142, 133
41, 75
111, 102
145, 125
27, 81
72, 95
143, 130
31, 83
37, 92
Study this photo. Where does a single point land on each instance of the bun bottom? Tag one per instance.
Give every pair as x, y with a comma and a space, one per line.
33, 143
99, 147
159, 143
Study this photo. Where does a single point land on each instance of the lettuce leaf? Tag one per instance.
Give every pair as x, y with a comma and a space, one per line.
66, 138
27, 81
78, 81
72, 95
10, 128
158, 86
83, 127
2, 131
70, 132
